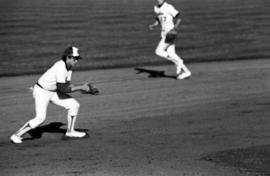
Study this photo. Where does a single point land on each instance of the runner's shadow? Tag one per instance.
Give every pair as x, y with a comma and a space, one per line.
54, 127
153, 73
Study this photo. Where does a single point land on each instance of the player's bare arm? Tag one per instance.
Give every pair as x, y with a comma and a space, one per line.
153, 25
177, 22
68, 87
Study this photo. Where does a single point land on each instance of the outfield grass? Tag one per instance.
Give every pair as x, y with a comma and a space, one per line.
114, 33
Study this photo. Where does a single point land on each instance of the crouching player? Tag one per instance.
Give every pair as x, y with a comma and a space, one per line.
54, 86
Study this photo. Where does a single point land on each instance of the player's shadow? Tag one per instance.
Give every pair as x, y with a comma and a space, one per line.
54, 127
153, 73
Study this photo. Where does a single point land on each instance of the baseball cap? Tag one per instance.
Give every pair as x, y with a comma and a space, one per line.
73, 52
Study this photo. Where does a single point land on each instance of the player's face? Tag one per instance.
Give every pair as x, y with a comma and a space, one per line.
72, 61
160, 2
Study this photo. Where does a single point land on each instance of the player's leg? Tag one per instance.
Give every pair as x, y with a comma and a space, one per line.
72, 106
176, 59
161, 49
180, 66
42, 99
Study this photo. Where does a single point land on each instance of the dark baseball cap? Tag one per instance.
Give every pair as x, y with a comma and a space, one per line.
73, 52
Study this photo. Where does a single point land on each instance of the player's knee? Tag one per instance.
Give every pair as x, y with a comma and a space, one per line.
174, 56
74, 108
76, 105
158, 52
161, 53
180, 62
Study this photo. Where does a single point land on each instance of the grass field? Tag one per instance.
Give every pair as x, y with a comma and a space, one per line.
114, 33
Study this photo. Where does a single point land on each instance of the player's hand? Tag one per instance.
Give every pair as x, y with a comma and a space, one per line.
175, 29
85, 87
89, 88
151, 27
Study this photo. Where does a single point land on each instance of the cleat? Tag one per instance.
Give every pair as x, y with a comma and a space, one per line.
16, 139
184, 75
75, 134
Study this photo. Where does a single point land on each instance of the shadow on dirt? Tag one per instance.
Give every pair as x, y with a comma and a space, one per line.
54, 127
254, 160
153, 73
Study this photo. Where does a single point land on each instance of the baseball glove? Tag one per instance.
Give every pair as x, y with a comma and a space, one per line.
92, 90
171, 36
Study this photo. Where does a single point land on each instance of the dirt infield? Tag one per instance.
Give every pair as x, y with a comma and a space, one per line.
145, 122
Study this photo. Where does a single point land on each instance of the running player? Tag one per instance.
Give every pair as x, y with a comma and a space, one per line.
166, 15
54, 86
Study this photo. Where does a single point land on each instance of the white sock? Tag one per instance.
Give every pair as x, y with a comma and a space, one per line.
71, 123
24, 129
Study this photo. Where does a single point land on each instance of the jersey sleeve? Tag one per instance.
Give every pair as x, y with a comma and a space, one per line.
173, 11
61, 72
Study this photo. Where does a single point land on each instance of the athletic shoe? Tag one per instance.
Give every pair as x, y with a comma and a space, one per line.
16, 139
75, 134
184, 75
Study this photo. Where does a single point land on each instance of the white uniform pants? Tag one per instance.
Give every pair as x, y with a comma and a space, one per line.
43, 97
167, 51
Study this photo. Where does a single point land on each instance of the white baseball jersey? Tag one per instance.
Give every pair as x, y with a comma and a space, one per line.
58, 73
165, 15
